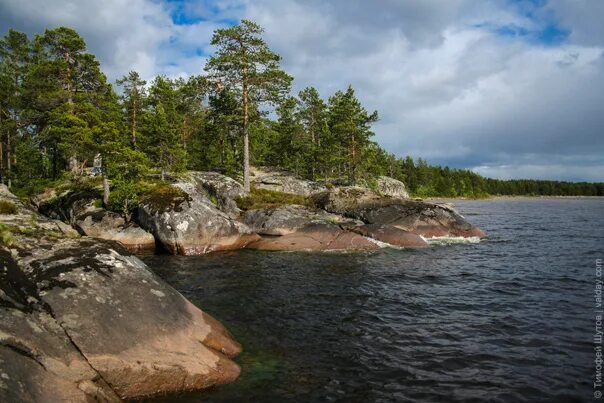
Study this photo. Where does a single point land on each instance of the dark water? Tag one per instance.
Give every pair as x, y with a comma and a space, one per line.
509, 319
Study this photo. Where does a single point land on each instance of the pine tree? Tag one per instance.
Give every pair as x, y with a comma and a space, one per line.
162, 127
350, 124
63, 92
292, 149
313, 114
134, 101
244, 63
14, 62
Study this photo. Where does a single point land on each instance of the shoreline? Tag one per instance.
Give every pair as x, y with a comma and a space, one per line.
495, 198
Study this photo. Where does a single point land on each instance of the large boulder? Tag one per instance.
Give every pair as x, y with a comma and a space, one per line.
418, 217
221, 189
391, 187
38, 361
103, 224
83, 320
78, 207
344, 199
68, 205
283, 181
316, 237
185, 221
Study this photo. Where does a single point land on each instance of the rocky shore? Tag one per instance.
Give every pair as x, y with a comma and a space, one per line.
83, 319
200, 214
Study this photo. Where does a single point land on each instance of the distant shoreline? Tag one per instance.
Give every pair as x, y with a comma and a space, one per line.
494, 198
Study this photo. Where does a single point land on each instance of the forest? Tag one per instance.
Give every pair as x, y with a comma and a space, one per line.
59, 116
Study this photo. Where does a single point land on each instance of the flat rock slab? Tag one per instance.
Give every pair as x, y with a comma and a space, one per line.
391, 235
316, 237
288, 219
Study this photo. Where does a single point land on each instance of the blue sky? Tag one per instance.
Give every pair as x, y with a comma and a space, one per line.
509, 88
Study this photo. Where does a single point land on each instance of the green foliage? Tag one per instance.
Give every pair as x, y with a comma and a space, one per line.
244, 64
58, 114
126, 195
6, 236
263, 198
7, 207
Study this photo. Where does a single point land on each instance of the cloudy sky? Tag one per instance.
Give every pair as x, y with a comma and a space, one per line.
508, 88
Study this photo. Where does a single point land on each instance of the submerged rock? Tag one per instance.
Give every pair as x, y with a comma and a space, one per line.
83, 320
185, 221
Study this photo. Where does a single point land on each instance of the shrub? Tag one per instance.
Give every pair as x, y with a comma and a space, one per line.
7, 207
262, 198
6, 236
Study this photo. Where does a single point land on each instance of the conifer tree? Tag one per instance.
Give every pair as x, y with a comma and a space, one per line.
14, 62
313, 114
244, 63
350, 125
134, 102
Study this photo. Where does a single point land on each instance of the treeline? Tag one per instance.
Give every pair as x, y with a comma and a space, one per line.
59, 115
424, 180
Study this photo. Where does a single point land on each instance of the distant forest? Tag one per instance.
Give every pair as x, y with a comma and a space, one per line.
58, 114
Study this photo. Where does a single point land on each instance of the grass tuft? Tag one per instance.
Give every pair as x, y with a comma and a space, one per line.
263, 198
7, 207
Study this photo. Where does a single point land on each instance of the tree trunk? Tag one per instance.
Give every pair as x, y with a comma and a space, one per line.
134, 124
246, 141
314, 148
73, 165
2, 173
105, 188
8, 160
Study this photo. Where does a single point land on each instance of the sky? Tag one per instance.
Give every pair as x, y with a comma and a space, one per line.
507, 88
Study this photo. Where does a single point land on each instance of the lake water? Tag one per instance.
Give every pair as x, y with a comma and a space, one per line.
508, 319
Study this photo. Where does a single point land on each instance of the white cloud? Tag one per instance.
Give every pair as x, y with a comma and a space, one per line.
447, 86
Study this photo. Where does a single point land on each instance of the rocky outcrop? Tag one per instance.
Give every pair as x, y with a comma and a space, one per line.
288, 219
283, 181
185, 221
390, 187
83, 320
300, 228
316, 237
103, 224
79, 209
418, 217
222, 189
